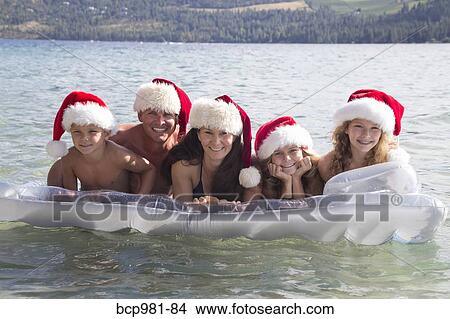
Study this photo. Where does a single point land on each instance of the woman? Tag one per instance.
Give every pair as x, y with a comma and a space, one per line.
363, 134
207, 161
285, 166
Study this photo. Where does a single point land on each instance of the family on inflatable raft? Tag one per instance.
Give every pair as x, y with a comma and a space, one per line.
201, 154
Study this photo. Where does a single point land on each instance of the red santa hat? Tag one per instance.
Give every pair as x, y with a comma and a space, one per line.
164, 96
279, 133
223, 114
79, 108
375, 106
271, 136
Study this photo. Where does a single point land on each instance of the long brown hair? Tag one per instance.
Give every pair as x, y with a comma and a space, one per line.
225, 181
343, 153
272, 186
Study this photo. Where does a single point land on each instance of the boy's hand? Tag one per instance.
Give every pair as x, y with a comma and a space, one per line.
303, 166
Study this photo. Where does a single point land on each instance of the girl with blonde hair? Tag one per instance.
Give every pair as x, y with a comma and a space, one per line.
364, 133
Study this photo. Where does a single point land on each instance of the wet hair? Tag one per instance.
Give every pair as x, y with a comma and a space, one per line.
225, 181
342, 155
272, 186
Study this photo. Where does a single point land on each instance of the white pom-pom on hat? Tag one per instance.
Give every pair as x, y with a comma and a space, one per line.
56, 149
249, 177
398, 155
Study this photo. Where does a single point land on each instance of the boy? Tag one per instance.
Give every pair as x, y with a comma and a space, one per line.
94, 160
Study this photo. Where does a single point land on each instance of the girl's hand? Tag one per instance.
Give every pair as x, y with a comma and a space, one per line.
303, 166
201, 200
207, 200
277, 171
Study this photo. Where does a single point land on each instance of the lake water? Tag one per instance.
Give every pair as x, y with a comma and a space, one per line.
265, 79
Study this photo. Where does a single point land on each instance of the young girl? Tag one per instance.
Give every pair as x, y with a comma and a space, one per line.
363, 133
206, 163
285, 166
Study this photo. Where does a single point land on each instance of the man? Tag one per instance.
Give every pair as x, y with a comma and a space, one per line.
163, 110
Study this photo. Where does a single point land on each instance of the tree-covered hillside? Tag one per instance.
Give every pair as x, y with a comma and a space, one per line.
219, 21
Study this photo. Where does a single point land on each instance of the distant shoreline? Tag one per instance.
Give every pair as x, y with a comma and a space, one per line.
170, 42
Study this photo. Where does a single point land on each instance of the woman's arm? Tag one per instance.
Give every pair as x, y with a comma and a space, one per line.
182, 181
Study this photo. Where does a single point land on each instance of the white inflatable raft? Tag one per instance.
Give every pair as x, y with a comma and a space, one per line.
367, 206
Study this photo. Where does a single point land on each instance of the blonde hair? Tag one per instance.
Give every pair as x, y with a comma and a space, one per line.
272, 186
342, 156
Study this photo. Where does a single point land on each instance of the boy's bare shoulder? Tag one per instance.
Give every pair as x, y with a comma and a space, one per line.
71, 157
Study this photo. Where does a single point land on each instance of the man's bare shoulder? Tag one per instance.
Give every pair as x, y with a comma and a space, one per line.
125, 133
127, 126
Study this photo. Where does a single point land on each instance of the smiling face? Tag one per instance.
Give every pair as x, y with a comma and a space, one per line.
158, 126
287, 157
88, 138
216, 143
363, 135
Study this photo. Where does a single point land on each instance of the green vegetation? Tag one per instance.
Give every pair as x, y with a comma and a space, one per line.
198, 21
365, 6
223, 4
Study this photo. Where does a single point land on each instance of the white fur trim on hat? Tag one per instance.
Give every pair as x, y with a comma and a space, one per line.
161, 97
282, 136
214, 114
398, 155
249, 177
56, 149
368, 109
86, 114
